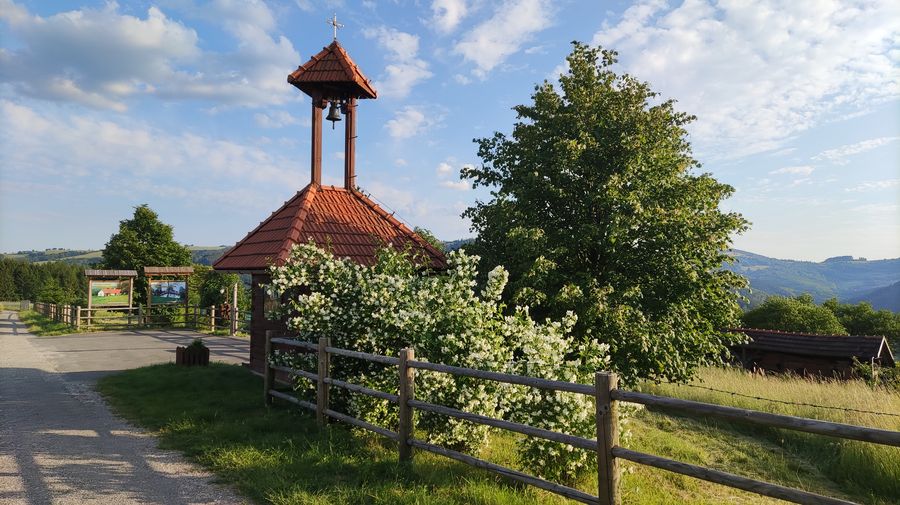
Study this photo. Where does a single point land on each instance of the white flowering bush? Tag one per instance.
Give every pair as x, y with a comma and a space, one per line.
391, 305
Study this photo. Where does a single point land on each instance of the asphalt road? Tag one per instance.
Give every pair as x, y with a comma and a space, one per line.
60, 444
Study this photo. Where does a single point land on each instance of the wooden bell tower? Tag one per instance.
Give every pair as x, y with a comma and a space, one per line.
331, 79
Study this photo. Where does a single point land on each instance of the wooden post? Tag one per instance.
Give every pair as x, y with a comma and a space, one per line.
234, 310
78, 317
268, 371
130, 294
140, 314
316, 148
407, 392
187, 297
212, 318
321, 387
350, 145
607, 438
196, 317
90, 297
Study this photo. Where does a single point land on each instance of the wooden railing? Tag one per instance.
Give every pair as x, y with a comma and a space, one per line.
606, 392
191, 316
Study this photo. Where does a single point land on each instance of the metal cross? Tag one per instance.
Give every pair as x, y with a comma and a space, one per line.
333, 22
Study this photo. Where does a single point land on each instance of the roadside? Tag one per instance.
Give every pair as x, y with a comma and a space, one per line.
60, 444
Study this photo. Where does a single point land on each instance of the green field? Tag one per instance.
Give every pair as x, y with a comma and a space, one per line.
216, 417
112, 300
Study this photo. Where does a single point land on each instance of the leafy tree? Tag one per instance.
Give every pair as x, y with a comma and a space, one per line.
596, 208
800, 314
430, 238
209, 287
143, 241
862, 319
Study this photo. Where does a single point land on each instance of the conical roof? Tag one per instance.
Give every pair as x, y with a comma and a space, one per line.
344, 221
333, 74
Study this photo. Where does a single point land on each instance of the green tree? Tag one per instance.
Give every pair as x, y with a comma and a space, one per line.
209, 287
596, 208
430, 238
143, 241
862, 319
799, 314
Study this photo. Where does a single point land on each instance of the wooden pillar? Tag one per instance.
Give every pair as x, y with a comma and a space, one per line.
212, 318
268, 372
130, 295
316, 148
607, 438
234, 309
321, 386
187, 298
78, 317
350, 145
90, 295
407, 392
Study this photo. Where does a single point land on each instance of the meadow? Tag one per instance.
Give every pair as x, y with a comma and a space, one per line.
278, 455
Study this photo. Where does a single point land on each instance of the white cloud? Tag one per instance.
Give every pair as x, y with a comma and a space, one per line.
66, 146
800, 169
456, 185
493, 41
305, 5
875, 185
405, 69
446, 14
757, 73
102, 57
409, 122
839, 155
400, 162
462, 79
444, 168
277, 119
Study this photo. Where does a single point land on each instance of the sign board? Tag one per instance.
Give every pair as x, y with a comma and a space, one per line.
110, 293
162, 292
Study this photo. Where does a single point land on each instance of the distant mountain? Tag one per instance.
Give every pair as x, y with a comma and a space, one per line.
201, 255
843, 277
887, 297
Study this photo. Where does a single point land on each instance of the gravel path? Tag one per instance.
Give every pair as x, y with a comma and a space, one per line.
59, 443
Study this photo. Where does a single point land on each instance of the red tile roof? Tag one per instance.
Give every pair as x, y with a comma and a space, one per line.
332, 68
344, 221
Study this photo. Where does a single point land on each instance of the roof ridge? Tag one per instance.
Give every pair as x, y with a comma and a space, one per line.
796, 333
399, 225
299, 217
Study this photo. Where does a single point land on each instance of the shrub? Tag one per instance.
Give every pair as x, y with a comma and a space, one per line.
393, 304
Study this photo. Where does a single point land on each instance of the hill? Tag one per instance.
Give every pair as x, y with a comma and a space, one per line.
202, 255
887, 297
843, 277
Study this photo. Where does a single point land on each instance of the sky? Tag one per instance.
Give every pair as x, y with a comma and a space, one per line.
184, 105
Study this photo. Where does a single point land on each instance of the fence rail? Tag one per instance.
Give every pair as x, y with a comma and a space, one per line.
190, 316
606, 392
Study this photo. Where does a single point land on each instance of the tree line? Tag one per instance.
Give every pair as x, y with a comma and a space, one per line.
142, 240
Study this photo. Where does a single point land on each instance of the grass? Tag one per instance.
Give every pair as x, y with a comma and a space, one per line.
215, 416
42, 326
868, 472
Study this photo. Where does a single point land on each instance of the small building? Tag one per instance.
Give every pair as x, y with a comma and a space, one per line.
109, 292
342, 218
809, 354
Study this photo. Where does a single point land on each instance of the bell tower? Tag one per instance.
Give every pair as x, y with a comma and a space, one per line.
332, 80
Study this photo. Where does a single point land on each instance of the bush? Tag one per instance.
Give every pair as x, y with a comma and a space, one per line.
393, 304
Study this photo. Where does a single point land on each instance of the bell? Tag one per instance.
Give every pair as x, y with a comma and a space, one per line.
334, 114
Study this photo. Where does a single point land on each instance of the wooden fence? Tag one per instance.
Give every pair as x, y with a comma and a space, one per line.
606, 392
109, 318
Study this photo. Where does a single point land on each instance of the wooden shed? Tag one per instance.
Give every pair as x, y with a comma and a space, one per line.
810, 354
350, 223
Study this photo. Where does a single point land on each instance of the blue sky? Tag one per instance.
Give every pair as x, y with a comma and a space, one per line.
184, 105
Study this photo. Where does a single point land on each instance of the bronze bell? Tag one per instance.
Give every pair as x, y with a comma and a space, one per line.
334, 114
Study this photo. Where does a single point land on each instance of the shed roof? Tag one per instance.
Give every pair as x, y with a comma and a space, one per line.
88, 272
346, 221
332, 72
168, 270
863, 347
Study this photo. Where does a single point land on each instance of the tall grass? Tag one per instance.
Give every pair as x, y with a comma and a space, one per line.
864, 469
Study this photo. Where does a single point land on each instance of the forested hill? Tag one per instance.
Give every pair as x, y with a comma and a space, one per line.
848, 279
842, 277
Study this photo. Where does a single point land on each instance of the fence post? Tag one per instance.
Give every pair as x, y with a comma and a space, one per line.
268, 371
321, 387
407, 392
607, 438
78, 317
212, 318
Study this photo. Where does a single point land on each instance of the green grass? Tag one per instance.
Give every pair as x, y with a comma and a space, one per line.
867, 472
42, 326
216, 417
